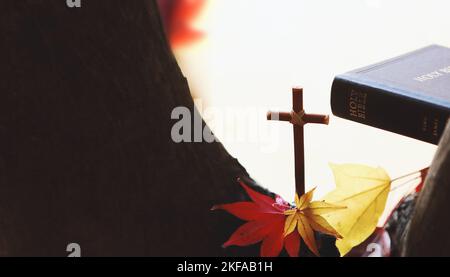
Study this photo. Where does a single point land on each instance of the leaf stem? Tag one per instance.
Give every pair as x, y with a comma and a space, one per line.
410, 174
422, 173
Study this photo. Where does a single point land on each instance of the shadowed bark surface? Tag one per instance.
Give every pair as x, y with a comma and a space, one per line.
85, 151
429, 229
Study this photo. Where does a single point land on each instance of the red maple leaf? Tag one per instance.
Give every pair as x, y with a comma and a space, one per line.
265, 222
423, 176
178, 17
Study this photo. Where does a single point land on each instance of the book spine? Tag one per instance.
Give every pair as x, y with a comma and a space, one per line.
387, 110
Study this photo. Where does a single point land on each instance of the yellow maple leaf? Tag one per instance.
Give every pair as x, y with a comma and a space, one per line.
307, 216
364, 191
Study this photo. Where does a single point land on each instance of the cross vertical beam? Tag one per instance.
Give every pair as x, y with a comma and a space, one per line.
299, 142
299, 119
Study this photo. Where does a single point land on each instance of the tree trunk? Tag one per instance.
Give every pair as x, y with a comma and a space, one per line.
429, 230
86, 156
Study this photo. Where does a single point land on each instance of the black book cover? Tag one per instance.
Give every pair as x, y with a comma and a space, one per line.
408, 95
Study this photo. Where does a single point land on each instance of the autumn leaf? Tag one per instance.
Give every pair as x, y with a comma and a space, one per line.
423, 176
306, 217
265, 223
364, 191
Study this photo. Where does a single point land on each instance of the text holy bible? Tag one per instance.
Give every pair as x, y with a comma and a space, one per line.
407, 95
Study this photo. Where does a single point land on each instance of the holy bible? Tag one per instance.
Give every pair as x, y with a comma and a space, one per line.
407, 95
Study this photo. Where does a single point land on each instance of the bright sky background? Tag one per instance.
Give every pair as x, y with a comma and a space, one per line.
256, 50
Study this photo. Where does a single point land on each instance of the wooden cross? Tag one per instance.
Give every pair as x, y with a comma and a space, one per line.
299, 118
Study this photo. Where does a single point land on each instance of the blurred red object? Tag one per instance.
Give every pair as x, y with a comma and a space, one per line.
178, 17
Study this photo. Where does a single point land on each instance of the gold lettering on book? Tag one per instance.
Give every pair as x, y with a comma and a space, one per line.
445, 70
357, 104
430, 125
433, 75
425, 124
435, 127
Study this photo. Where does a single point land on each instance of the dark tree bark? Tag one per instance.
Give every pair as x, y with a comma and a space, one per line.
85, 137
429, 229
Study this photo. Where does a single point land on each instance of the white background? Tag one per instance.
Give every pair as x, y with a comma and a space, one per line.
256, 50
